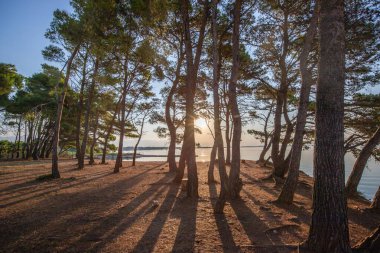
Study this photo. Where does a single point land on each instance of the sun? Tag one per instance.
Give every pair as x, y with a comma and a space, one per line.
200, 123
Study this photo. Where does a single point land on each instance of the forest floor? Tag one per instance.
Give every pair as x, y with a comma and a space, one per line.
95, 210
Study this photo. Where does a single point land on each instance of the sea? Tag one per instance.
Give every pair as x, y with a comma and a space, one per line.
368, 184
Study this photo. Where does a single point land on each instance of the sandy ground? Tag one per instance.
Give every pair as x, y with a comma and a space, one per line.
95, 210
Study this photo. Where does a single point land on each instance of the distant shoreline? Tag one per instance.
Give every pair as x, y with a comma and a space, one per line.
161, 148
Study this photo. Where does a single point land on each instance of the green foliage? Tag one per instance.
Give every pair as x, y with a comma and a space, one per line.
6, 147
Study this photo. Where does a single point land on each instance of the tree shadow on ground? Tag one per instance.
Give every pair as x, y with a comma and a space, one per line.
185, 209
151, 235
56, 212
224, 230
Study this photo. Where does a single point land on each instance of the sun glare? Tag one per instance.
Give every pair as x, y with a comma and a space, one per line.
200, 123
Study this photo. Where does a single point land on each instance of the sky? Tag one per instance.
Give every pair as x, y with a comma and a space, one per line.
23, 24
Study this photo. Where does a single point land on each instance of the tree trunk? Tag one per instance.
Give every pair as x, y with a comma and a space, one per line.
18, 138
329, 225
228, 137
370, 244
182, 161
87, 116
280, 100
80, 109
376, 200
172, 129
290, 185
218, 143
188, 146
138, 141
267, 137
57, 128
109, 131
189, 140
360, 163
235, 182
24, 144
36, 149
92, 161
119, 158
210, 173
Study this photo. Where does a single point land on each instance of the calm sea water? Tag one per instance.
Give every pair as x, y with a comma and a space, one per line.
368, 185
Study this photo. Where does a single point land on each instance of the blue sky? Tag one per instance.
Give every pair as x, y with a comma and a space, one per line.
22, 27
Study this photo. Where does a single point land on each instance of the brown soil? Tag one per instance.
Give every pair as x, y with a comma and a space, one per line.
140, 210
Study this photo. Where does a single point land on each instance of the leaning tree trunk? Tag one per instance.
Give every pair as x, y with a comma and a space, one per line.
57, 128
92, 161
370, 244
219, 206
138, 141
189, 140
235, 183
279, 169
91, 92
329, 225
171, 127
80, 108
290, 185
119, 158
18, 137
188, 146
376, 200
109, 132
182, 160
228, 137
210, 173
360, 163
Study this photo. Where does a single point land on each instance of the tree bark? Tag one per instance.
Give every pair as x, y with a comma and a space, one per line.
227, 134
18, 137
278, 160
92, 161
210, 173
171, 127
109, 131
329, 225
192, 66
218, 143
235, 182
360, 163
80, 109
57, 128
36, 148
290, 185
87, 116
119, 158
138, 141
370, 244
376, 200
192, 185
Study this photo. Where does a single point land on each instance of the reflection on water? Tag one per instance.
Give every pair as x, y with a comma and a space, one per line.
368, 185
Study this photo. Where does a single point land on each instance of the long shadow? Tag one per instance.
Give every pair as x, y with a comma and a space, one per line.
151, 235
224, 230
31, 183
56, 208
115, 224
186, 210
52, 190
81, 182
